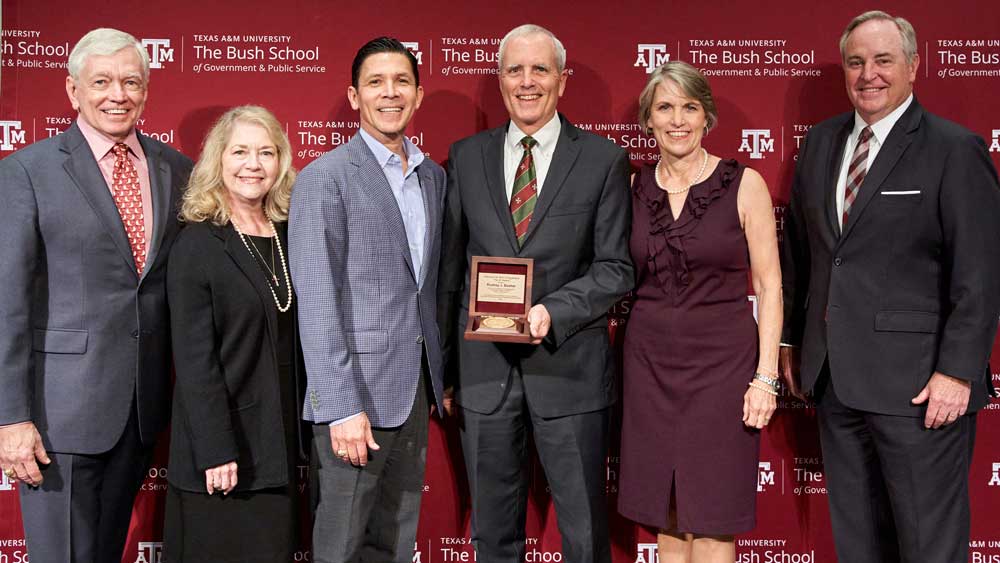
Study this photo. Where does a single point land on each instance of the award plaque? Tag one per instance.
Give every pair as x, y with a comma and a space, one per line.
499, 299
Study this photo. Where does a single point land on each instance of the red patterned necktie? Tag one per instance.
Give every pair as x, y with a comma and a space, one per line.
128, 198
856, 172
524, 193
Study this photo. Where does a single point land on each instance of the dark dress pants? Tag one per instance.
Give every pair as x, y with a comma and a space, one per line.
898, 492
370, 513
572, 450
81, 513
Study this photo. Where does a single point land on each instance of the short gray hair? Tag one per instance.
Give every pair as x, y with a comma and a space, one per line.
104, 41
532, 29
692, 84
907, 35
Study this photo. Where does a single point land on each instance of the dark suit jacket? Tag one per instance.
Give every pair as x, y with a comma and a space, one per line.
80, 336
227, 399
578, 238
911, 285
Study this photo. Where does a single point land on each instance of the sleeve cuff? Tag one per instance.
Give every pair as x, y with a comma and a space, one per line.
346, 418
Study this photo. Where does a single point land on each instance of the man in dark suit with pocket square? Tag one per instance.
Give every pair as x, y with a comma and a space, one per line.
891, 301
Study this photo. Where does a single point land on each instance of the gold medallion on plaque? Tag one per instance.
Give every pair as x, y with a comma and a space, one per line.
497, 322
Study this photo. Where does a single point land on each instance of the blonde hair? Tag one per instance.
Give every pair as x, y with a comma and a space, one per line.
205, 197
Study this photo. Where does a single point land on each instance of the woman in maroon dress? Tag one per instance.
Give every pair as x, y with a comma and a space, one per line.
700, 374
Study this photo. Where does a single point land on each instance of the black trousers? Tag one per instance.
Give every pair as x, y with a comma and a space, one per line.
573, 453
81, 512
370, 513
898, 492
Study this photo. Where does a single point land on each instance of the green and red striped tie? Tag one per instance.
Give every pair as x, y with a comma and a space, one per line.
525, 192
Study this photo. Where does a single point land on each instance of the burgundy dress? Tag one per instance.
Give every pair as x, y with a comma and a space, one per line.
690, 350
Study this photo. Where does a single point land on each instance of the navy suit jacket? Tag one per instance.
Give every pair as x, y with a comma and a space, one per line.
911, 285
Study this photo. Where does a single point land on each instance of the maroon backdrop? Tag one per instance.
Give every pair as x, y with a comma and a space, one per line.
774, 70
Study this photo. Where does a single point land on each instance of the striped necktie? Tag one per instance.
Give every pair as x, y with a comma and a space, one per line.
856, 172
525, 192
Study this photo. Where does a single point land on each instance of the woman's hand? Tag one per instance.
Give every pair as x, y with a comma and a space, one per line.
758, 406
221, 478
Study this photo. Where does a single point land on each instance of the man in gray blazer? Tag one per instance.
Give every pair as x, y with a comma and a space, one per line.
364, 238
537, 187
84, 332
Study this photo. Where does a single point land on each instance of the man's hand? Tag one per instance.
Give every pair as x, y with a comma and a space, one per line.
788, 367
947, 398
352, 438
20, 447
448, 401
221, 478
539, 321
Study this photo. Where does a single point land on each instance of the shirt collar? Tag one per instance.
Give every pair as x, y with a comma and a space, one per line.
882, 127
100, 143
383, 155
546, 136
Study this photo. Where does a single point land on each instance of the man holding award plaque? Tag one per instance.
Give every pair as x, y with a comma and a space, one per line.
534, 253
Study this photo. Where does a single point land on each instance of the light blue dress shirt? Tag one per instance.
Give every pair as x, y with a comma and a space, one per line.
406, 190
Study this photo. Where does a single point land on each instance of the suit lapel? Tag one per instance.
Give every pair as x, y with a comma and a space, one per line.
835, 160
563, 159
83, 170
493, 163
376, 188
431, 205
160, 183
246, 263
895, 145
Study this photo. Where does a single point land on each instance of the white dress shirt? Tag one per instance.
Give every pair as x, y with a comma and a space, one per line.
880, 130
547, 137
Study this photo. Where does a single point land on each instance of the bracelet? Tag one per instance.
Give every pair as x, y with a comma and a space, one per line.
761, 387
772, 381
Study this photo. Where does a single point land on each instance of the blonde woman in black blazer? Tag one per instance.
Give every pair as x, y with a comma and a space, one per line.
234, 442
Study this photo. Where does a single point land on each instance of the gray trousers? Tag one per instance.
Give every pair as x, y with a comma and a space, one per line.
370, 513
81, 512
573, 453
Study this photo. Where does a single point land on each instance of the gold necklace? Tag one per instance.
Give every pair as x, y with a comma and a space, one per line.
675, 191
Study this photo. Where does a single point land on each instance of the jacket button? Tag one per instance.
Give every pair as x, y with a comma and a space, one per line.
135, 334
420, 339
837, 261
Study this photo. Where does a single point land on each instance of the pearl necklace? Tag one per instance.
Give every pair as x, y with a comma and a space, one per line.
284, 265
697, 178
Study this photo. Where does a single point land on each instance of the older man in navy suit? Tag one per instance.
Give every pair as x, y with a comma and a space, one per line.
84, 332
891, 294
364, 234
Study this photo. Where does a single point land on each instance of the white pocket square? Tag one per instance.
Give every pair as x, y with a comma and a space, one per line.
903, 192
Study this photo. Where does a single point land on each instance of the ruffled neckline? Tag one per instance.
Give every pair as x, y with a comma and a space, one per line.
670, 266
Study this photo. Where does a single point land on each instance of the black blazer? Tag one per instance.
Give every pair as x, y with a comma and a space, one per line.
226, 397
578, 238
911, 286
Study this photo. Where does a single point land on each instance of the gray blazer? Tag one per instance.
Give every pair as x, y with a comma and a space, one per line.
80, 336
365, 316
